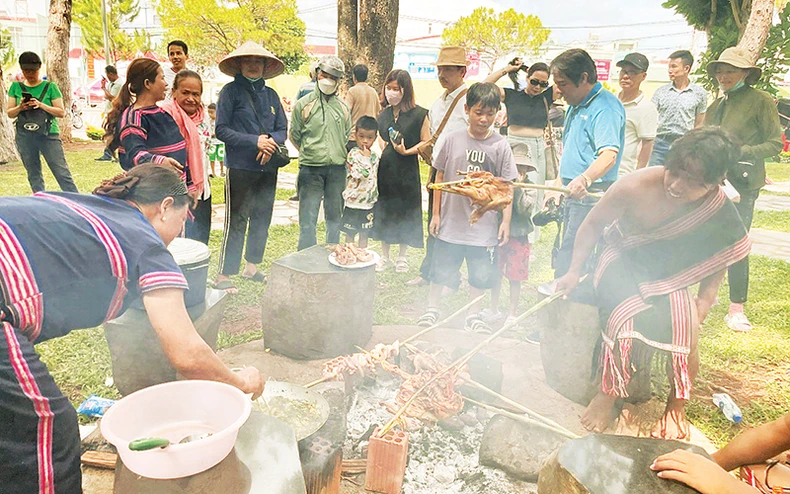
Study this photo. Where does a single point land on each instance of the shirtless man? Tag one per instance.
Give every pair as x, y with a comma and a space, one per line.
664, 230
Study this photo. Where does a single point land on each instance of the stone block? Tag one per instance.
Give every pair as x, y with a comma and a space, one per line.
314, 310
334, 429
138, 360
517, 448
610, 464
567, 347
570, 343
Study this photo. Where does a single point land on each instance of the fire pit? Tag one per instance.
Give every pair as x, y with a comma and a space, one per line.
440, 461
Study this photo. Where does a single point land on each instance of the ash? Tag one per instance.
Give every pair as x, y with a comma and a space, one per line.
440, 461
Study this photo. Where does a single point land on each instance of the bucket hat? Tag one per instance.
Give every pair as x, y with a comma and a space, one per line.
230, 64
522, 155
739, 58
332, 65
451, 56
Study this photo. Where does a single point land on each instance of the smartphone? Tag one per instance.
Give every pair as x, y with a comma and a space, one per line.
395, 136
26, 96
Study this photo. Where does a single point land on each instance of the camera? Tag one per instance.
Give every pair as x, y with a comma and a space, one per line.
552, 212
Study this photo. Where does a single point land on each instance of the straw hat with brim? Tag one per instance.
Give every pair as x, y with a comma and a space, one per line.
738, 58
522, 155
230, 64
451, 56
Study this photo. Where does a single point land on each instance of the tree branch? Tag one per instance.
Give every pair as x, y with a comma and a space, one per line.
736, 14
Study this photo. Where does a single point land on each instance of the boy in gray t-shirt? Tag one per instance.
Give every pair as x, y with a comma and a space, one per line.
473, 149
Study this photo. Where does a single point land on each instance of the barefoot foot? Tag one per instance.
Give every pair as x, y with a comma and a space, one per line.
598, 415
673, 425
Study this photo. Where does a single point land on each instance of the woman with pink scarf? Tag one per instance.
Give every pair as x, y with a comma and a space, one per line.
187, 110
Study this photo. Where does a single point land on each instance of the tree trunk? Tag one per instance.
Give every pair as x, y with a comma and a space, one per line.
756, 32
347, 39
57, 57
7, 144
376, 43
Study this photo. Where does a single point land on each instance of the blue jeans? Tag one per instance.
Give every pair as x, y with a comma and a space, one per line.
573, 215
313, 184
661, 147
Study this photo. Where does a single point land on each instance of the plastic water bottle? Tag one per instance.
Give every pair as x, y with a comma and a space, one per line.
727, 407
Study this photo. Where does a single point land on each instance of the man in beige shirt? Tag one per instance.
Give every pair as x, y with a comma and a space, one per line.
362, 99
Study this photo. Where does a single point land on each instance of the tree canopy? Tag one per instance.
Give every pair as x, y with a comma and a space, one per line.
495, 35
87, 15
215, 28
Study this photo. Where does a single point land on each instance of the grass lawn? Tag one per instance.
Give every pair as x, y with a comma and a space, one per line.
752, 367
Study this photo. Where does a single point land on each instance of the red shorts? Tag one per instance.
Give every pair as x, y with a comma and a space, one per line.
514, 259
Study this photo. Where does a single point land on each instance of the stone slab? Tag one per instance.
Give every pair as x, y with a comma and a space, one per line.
770, 243
606, 464
138, 360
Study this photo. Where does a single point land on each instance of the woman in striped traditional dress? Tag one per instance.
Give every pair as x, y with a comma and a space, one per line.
70, 261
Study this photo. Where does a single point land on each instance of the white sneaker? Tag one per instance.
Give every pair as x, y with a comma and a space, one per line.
738, 322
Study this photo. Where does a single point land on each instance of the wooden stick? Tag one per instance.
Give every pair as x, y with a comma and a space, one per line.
415, 336
507, 400
443, 321
522, 418
455, 366
318, 381
99, 459
520, 185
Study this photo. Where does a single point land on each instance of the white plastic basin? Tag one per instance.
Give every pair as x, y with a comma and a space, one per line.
173, 411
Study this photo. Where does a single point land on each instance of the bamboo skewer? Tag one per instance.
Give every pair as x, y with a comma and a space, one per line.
522, 418
413, 337
443, 321
520, 185
491, 392
455, 366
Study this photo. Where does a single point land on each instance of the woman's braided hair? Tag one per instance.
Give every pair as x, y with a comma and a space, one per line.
146, 184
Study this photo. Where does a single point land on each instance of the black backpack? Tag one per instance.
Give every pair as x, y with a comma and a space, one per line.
35, 121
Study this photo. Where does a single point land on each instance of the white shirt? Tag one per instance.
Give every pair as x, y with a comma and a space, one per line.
457, 121
641, 122
113, 87
170, 76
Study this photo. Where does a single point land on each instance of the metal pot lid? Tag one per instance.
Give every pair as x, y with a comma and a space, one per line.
187, 251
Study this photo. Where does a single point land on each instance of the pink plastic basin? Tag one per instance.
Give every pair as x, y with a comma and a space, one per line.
173, 411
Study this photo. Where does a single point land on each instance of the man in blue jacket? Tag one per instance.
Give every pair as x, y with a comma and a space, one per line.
251, 122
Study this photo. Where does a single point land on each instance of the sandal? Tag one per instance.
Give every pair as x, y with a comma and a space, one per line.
428, 319
226, 286
402, 266
475, 324
510, 320
738, 322
384, 264
258, 277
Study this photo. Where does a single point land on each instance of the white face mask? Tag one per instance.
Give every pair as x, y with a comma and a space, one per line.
393, 97
327, 86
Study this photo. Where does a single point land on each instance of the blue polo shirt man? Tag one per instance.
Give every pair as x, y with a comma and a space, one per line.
593, 139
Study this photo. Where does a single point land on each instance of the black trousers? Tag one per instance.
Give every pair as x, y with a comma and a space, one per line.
738, 273
427, 261
31, 146
249, 200
39, 436
200, 227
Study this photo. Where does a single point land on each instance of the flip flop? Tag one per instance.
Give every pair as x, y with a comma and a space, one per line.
258, 277
224, 286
